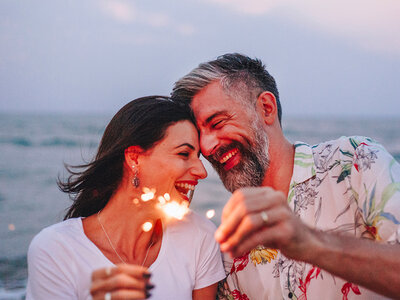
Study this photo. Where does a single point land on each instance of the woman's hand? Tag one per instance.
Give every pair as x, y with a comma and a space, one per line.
123, 281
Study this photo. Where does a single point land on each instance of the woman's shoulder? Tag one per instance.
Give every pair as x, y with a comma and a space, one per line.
56, 235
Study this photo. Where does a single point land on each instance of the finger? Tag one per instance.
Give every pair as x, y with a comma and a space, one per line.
250, 201
253, 223
123, 294
236, 197
136, 271
118, 281
271, 237
229, 224
132, 270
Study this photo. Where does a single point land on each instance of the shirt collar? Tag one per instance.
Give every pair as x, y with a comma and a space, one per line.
304, 166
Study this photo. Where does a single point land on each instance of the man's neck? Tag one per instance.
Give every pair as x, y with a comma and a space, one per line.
280, 169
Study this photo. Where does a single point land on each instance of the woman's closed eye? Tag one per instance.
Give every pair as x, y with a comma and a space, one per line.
184, 154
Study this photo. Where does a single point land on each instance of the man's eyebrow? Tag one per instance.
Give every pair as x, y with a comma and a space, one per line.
185, 144
217, 114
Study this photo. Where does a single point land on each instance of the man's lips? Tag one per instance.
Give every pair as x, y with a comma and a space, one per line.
230, 159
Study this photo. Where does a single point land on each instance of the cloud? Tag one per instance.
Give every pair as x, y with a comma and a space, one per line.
118, 10
126, 12
251, 7
372, 24
185, 29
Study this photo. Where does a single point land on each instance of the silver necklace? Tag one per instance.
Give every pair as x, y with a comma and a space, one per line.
112, 246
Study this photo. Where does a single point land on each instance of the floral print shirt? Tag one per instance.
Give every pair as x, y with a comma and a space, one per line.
350, 185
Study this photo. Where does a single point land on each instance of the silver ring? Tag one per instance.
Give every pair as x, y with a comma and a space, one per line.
107, 296
264, 216
108, 272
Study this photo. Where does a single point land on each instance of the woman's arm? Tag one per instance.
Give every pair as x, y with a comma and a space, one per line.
207, 293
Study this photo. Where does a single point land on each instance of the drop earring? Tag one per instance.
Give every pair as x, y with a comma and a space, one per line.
135, 180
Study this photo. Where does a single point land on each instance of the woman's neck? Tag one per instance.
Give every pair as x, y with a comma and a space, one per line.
117, 229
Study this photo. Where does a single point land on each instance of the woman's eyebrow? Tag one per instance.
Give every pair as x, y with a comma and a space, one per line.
186, 144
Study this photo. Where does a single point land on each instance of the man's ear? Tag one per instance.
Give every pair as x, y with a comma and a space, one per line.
267, 103
131, 155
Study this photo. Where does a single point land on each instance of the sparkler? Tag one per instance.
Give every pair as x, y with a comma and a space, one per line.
171, 209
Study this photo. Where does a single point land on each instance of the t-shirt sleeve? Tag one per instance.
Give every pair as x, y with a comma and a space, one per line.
210, 268
376, 176
47, 279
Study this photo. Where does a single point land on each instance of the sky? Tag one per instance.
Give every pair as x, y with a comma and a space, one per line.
339, 58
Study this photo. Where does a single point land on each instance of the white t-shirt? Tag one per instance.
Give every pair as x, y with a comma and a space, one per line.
61, 260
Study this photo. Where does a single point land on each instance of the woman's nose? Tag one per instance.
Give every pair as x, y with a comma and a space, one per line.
198, 169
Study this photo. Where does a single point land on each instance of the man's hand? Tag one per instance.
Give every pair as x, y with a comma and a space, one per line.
261, 216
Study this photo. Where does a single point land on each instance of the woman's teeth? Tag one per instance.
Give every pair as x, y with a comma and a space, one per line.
184, 188
227, 156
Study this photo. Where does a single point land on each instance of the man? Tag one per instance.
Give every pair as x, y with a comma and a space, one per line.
301, 219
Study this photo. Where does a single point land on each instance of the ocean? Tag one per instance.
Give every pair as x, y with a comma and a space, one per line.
33, 149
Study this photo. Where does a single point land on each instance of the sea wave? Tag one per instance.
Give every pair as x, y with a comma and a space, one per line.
13, 274
15, 294
16, 141
49, 142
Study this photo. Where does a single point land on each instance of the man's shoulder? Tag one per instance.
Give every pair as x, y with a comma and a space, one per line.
345, 145
347, 141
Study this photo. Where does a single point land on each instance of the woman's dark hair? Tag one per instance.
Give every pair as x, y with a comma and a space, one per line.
142, 122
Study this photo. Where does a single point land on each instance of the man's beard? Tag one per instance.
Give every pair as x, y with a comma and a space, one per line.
254, 162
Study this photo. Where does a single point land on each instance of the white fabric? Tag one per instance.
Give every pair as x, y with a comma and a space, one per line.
351, 186
61, 260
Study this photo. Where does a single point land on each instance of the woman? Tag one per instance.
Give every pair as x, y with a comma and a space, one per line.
150, 143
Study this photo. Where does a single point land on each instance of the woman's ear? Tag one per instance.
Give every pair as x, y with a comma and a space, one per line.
267, 103
131, 155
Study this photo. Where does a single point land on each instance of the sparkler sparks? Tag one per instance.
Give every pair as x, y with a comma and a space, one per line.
170, 208
210, 213
147, 226
175, 209
148, 194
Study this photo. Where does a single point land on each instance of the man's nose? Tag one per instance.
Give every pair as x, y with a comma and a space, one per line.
208, 143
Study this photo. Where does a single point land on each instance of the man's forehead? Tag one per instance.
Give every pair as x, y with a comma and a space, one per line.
205, 113
209, 101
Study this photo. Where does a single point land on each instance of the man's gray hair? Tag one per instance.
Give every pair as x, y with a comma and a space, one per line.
240, 76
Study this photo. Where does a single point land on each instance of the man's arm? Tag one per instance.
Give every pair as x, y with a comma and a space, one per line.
370, 264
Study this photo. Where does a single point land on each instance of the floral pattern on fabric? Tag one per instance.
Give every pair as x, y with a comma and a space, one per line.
262, 255
350, 186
